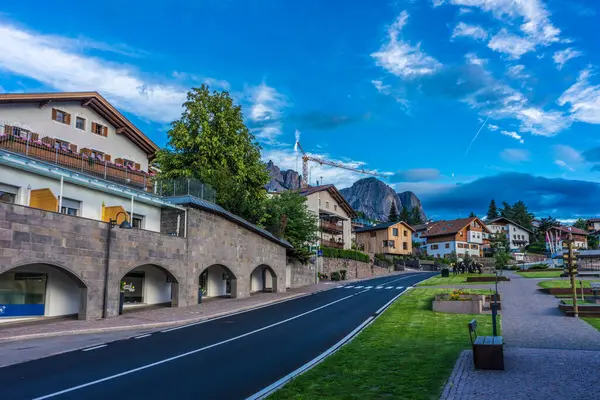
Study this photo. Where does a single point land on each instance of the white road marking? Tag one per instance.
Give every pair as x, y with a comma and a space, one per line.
389, 287
154, 364
143, 336
399, 287
379, 287
349, 287
368, 287
358, 287
94, 348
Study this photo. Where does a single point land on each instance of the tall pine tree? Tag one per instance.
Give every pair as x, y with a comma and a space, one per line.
393, 214
415, 216
492, 210
405, 215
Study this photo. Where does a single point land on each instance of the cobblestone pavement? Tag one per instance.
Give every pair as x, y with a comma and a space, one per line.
547, 355
530, 374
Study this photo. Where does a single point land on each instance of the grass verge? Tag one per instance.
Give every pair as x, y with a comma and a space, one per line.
565, 283
595, 322
407, 353
460, 279
545, 274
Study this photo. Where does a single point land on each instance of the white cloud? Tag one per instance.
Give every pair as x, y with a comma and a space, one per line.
34, 56
493, 128
437, 3
380, 86
401, 58
473, 31
540, 122
464, 10
561, 57
533, 16
515, 155
513, 135
472, 58
563, 164
513, 45
568, 155
584, 99
517, 72
266, 107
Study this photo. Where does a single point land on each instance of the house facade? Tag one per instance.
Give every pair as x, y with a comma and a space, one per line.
465, 235
517, 236
82, 218
419, 231
593, 224
335, 215
393, 238
562, 233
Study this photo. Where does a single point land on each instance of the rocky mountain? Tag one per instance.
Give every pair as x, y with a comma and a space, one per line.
374, 198
282, 180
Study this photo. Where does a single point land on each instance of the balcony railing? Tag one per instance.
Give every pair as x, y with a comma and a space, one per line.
332, 243
185, 187
328, 226
30, 146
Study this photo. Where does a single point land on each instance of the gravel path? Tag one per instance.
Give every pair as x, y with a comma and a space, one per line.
530, 374
531, 318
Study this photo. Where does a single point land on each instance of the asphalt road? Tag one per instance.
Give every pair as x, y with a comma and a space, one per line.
227, 358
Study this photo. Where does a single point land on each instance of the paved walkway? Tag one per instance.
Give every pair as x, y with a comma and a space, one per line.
547, 355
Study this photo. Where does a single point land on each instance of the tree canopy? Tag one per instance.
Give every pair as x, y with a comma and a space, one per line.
581, 224
518, 213
492, 210
287, 216
405, 215
210, 142
393, 214
415, 216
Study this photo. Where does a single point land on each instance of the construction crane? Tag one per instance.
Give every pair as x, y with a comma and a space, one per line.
306, 158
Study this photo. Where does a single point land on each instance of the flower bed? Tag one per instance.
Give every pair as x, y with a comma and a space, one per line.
459, 302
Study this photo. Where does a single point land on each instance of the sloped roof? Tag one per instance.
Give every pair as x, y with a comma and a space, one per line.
216, 209
97, 103
334, 193
383, 226
492, 221
452, 227
422, 227
571, 229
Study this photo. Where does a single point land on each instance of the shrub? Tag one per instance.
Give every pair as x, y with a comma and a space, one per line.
335, 276
539, 266
347, 254
343, 274
323, 276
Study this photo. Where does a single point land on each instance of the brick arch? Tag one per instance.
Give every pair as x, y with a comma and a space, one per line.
222, 265
263, 282
81, 282
162, 268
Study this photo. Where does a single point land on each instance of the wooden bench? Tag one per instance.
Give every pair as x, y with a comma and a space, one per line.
488, 351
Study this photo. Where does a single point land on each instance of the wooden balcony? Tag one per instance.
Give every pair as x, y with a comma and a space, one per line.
68, 157
333, 244
328, 226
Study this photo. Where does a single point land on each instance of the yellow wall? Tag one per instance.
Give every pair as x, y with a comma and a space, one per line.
374, 244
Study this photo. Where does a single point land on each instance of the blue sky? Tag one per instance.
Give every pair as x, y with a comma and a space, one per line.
398, 87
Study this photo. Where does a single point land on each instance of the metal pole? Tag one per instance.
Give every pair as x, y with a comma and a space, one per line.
572, 272
60, 198
105, 167
131, 215
494, 307
106, 265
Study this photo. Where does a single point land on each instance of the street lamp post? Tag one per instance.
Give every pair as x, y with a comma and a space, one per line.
494, 307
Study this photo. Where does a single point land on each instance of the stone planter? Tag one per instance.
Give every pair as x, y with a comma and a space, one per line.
469, 304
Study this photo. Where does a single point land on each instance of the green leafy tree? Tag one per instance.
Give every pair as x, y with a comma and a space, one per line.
592, 242
492, 210
287, 217
581, 224
545, 225
501, 260
499, 242
393, 214
210, 142
467, 259
415, 216
404, 215
518, 213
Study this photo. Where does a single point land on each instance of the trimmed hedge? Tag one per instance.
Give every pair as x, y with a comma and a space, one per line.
347, 254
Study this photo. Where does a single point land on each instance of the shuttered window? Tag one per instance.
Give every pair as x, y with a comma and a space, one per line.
8, 193
99, 129
61, 116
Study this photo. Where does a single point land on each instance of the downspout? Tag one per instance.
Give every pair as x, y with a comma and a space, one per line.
106, 264
60, 198
185, 220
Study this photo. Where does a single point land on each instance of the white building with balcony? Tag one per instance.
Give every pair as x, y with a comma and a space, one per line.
518, 236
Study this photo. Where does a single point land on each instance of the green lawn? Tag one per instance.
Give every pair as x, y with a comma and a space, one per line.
595, 322
408, 353
564, 283
545, 274
460, 279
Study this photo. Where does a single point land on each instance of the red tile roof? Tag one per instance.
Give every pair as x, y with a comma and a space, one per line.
443, 228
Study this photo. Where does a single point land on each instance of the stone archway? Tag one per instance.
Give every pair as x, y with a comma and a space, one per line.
34, 289
218, 280
148, 285
263, 279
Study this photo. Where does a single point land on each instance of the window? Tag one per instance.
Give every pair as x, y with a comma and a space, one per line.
461, 245
404, 246
326, 204
8, 193
61, 116
447, 245
385, 243
137, 221
392, 244
434, 247
335, 207
80, 123
394, 231
61, 144
373, 234
129, 163
99, 129
474, 246
405, 233
97, 154
20, 132
70, 207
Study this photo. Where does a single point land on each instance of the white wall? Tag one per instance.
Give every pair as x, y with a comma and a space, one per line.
91, 200
313, 205
31, 117
464, 250
515, 231
62, 293
216, 285
156, 288
441, 251
256, 281
475, 237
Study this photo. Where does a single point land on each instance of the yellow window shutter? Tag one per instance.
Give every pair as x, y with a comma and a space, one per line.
43, 199
110, 213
